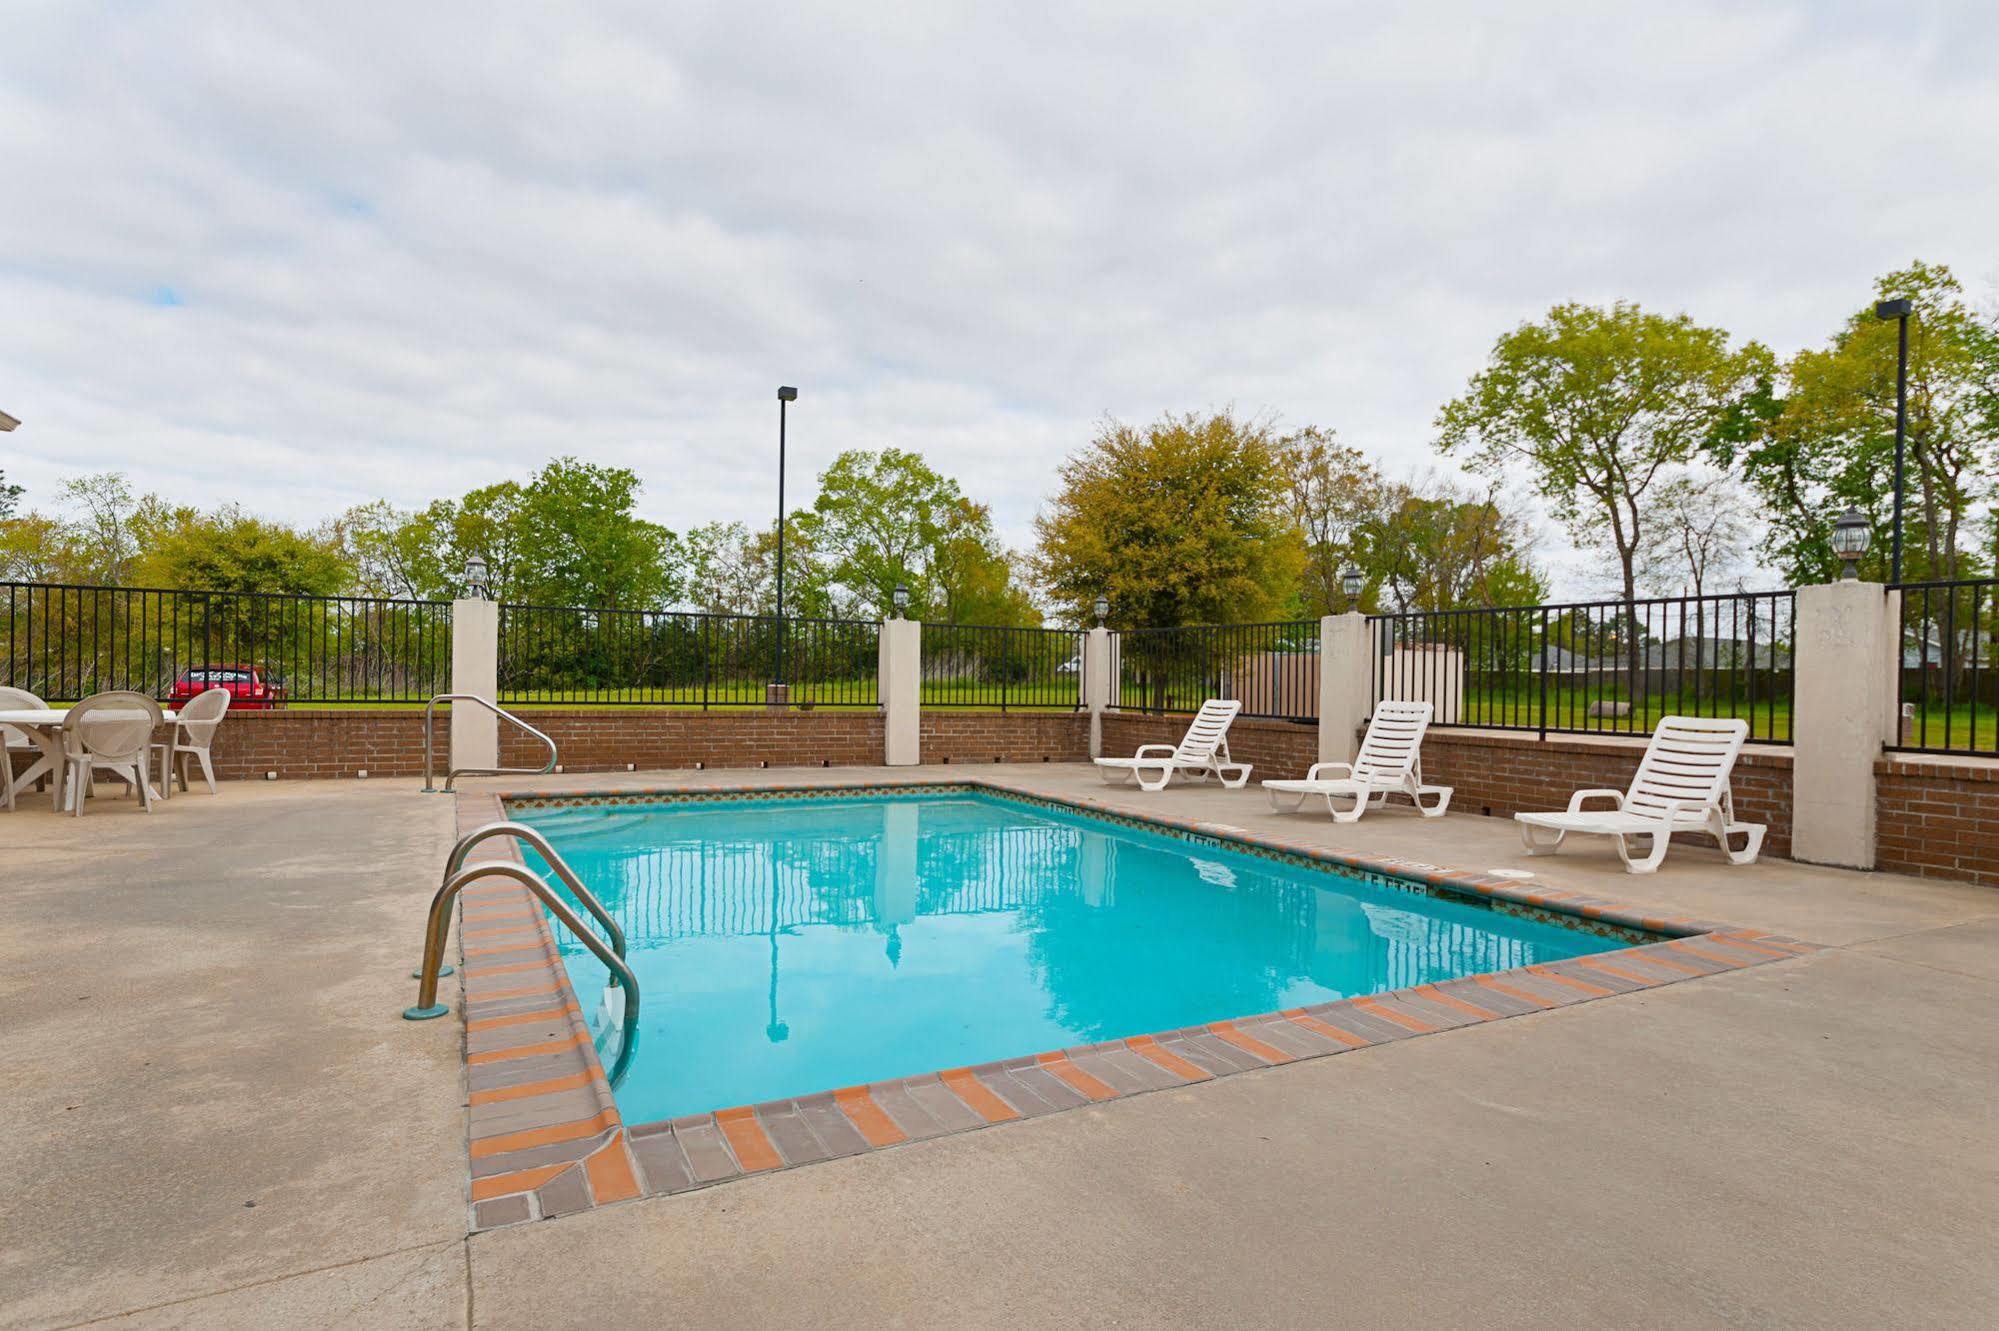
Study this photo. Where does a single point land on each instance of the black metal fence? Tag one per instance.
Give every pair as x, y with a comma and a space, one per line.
65, 642
1948, 675
560, 655
1596, 667
1271, 669
1008, 668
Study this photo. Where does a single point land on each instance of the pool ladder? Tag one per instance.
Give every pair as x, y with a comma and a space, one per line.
457, 874
429, 722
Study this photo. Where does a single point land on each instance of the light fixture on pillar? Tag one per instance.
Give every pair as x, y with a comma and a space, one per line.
1351, 582
1103, 609
477, 585
901, 598
1849, 542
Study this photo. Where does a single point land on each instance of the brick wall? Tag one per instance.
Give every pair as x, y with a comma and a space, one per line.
595, 739
1006, 737
299, 744
1273, 748
1938, 817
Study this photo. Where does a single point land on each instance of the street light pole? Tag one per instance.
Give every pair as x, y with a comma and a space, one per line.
1898, 310
785, 397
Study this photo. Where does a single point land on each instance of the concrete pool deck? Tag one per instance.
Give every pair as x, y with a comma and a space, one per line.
201, 1012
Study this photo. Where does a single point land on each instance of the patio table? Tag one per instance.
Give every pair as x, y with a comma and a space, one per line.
43, 727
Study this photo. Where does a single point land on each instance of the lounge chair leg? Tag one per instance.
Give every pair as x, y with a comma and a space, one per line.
1747, 855
1436, 810
1348, 815
1535, 846
1241, 778
1649, 862
1165, 775
1277, 801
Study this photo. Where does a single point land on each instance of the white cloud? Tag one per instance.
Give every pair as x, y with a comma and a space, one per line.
422, 246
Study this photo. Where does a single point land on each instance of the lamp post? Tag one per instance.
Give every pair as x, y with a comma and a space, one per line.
785, 397
1351, 582
478, 586
1849, 542
1103, 609
901, 598
1898, 310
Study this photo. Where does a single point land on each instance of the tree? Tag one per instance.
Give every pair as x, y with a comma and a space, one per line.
887, 519
1828, 442
1594, 404
577, 541
1336, 494
1699, 527
1442, 547
10, 495
102, 534
1181, 522
731, 570
230, 550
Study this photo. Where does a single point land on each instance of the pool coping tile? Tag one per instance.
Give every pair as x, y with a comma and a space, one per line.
544, 1136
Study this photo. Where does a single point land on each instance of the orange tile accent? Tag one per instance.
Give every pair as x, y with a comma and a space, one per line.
521, 1180
562, 1132
521, 930
1436, 995
1249, 1044
524, 991
1386, 1013
753, 1148
497, 949
1653, 958
1299, 1017
1608, 969
1593, 990
509, 968
1511, 992
521, 1018
1060, 1066
862, 1111
610, 1172
526, 1050
531, 1088
1148, 1049
1734, 940
485, 917
976, 1094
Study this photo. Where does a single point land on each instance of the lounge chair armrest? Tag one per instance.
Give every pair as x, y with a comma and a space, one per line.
1320, 769
1576, 800
1167, 749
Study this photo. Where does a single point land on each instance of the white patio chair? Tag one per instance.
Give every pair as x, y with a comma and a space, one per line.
1203, 752
13, 741
1681, 786
109, 732
194, 731
1390, 762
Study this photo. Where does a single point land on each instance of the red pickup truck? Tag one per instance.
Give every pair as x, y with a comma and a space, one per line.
248, 687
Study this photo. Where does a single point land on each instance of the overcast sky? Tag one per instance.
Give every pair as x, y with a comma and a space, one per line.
305, 255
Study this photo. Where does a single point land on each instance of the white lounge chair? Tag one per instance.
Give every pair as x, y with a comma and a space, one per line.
1203, 752
1681, 786
1390, 762
109, 732
194, 732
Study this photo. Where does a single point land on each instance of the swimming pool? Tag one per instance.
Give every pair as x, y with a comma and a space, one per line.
794, 945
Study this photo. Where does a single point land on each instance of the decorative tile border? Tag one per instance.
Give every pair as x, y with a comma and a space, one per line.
545, 1137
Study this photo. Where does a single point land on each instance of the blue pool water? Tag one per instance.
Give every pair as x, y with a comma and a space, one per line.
787, 947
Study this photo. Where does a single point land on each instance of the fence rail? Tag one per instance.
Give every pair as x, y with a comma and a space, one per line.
1272, 669
1948, 676
560, 655
966, 665
1597, 667
63, 642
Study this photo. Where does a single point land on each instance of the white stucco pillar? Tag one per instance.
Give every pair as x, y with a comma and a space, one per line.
901, 692
1099, 669
475, 668
1346, 684
1842, 712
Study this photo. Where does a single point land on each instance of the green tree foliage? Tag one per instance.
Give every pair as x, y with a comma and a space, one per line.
1593, 404
1823, 440
1183, 521
1441, 547
887, 519
732, 570
230, 550
1336, 498
10, 495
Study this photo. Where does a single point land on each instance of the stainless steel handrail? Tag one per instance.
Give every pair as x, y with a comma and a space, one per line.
521, 831
439, 925
429, 720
